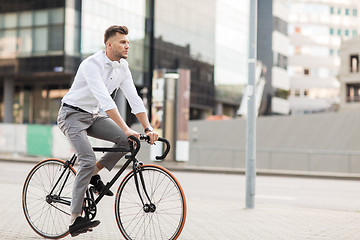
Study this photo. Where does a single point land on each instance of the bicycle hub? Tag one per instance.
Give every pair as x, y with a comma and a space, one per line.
149, 208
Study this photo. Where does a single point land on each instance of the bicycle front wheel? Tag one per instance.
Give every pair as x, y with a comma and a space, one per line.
166, 220
46, 198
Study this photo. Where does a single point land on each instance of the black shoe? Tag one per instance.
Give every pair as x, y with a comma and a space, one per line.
82, 225
99, 185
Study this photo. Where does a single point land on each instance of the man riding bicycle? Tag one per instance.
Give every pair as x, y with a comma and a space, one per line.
98, 76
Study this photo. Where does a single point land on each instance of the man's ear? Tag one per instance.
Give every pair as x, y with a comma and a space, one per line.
108, 44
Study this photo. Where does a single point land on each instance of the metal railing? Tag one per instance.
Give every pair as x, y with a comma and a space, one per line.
270, 158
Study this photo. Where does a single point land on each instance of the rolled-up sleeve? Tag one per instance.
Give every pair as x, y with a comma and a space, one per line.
127, 86
92, 73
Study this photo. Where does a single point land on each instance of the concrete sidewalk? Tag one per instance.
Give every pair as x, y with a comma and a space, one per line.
209, 217
208, 220
265, 222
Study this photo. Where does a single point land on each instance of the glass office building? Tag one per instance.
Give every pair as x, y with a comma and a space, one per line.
39, 53
42, 43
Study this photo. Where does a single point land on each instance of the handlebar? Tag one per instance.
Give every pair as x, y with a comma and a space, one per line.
147, 139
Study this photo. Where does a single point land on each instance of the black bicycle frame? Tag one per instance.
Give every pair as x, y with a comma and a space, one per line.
115, 178
68, 163
130, 158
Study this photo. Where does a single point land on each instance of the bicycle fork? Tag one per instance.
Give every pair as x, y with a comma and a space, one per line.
147, 207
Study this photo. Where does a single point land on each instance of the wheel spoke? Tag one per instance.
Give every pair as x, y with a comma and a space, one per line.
50, 220
166, 221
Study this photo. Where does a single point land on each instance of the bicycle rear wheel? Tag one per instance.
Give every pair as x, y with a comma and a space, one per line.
48, 214
165, 192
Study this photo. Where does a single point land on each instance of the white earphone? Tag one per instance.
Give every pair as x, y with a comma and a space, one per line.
115, 64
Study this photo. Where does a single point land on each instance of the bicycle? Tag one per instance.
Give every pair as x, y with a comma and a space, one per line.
149, 202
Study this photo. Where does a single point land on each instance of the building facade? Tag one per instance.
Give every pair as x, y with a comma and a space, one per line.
231, 54
42, 43
215, 34
272, 51
316, 29
36, 60
349, 75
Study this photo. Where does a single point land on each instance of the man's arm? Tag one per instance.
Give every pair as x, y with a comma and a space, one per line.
137, 105
115, 116
143, 119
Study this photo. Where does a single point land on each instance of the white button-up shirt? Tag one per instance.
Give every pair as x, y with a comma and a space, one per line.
96, 79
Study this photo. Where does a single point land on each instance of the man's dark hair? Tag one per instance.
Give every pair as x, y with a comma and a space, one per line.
111, 31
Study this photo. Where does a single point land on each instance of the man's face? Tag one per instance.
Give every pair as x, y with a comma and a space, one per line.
119, 45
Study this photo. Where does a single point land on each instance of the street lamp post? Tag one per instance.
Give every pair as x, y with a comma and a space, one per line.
251, 110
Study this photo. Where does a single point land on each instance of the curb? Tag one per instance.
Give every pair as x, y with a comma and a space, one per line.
219, 170
266, 172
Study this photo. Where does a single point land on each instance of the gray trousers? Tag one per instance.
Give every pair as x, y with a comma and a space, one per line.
77, 126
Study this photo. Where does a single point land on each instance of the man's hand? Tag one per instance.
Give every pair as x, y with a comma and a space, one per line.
143, 119
153, 136
129, 132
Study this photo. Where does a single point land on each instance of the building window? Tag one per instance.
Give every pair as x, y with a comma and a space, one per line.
26, 41
282, 93
56, 16
331, 31
2, 21
331, 52
353, 93
25, 19
354, 12
56, 38
339, 32
339, 11
40, 39
280, 25
354, 63
32, 32
347, 12
306, 71
10, 44
354, 33
346, 32
332, 10
10, 20
280, 60
41, 18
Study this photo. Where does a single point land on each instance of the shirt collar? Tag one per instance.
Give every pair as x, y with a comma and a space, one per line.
110, 63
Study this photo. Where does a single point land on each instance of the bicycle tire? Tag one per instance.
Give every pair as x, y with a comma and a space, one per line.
49, 220
165, 192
